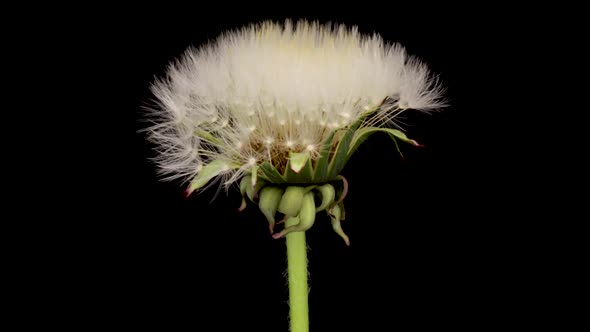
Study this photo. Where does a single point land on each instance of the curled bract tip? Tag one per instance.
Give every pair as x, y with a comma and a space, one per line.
298, 204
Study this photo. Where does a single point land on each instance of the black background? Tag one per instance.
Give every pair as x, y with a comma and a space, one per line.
427, 245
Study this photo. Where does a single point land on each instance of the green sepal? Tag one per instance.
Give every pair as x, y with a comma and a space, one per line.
270, 173
362, 134
208, 172
299, 168
320, 172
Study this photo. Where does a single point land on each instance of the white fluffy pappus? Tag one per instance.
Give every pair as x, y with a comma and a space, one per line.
257, 93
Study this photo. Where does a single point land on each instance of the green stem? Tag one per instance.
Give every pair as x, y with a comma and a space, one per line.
297, 271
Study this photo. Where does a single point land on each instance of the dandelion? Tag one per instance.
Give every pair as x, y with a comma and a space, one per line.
280, 109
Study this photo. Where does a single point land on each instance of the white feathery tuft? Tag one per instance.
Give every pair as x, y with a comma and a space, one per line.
259, 92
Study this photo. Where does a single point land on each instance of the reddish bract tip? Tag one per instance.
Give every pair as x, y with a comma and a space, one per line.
187, 192
417, 144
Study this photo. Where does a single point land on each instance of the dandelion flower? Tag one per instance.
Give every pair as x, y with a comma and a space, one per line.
259, 94
279, 109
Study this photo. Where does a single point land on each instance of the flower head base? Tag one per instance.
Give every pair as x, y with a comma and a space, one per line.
283, 104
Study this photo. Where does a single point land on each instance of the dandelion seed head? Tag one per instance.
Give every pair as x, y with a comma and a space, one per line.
287, 85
